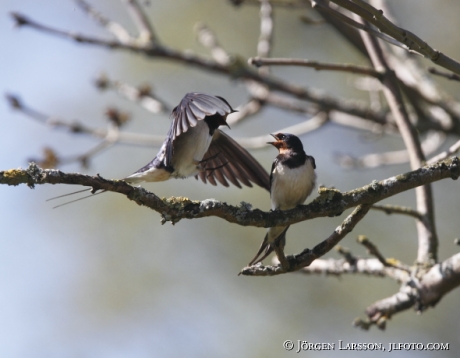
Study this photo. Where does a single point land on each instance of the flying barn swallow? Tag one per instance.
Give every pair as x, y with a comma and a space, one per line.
292, 179
194, 146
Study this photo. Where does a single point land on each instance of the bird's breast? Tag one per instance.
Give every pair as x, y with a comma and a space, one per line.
291, 186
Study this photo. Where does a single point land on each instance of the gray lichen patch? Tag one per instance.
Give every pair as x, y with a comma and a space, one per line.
327, 195
209, 204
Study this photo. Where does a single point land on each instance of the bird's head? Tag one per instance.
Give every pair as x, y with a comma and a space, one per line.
286, 142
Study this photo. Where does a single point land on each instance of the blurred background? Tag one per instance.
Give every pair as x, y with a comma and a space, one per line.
103, 278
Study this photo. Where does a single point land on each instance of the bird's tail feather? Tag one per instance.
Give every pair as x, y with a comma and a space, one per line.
73, 201
267, 248
130, 180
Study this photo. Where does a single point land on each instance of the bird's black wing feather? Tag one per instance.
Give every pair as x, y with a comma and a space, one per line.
227, 160
274, 164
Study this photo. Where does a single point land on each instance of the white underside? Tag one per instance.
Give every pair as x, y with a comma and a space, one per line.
289, 188
188, 151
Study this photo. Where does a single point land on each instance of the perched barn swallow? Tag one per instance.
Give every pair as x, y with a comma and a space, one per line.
194, 146
292, 179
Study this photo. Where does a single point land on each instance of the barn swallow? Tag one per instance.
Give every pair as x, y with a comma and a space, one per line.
194, 146
292, 179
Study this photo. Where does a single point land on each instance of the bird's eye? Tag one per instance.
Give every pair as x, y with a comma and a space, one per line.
282, 136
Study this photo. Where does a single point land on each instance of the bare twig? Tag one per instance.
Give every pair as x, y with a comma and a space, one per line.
147, 36
136, 139
431, 143
142, 94
324, 5
452, 150
418, 293
294, 4
347, 255
238, 68
209, 40
448, 75
413, 42
250, 108
306, 257
298, 129
427, 238
394, 209
139, 139
369, 267
115, 28
373, 250
361, 70
266, 32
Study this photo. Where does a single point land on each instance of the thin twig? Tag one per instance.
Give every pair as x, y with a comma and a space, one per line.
264, 44
431, 143
347, 255
420, 294
147, 35
209, 40
427, 238
142, 94
324, 6
448, 75
250, 108
449, 152
298, 129
413, 42
78, 127
369, 267
395, 209
306, 257
361, 70
139, 139
114, 27
294, 4
373, 250
238, 68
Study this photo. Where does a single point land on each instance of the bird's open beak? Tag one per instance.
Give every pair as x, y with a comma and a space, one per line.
276, 144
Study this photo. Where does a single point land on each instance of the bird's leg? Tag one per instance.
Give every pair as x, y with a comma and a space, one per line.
215, 168
204, 160
278, 247
201, 165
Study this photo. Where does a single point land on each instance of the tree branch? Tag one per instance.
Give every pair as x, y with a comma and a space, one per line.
418, 293
427, 238
237, 69
331, 202
361, 70
393, 209
448, 75
307, 256
413, 42
369, 267
374, 251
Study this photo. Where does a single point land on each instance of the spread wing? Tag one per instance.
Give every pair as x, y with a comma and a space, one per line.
227, 161
195, 106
